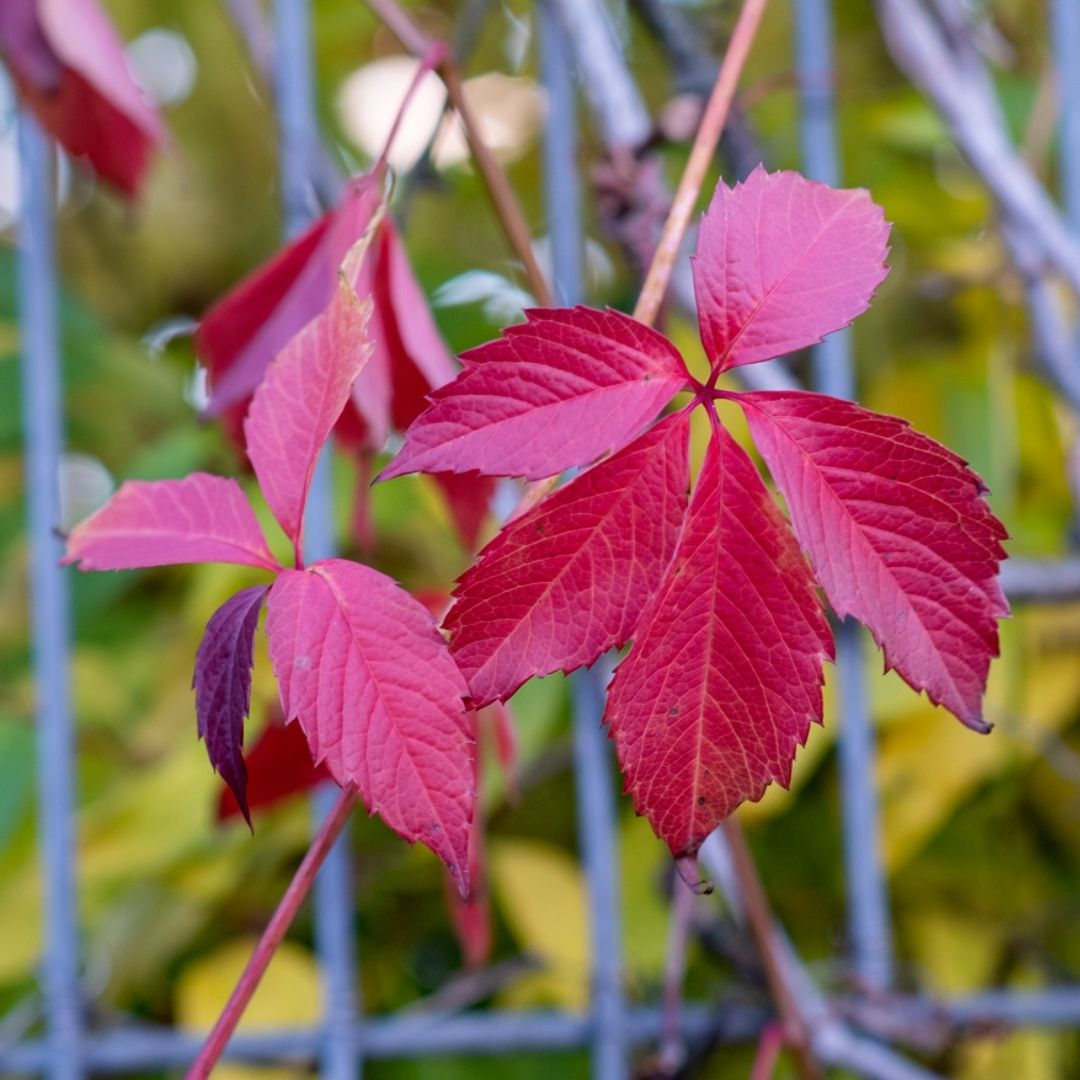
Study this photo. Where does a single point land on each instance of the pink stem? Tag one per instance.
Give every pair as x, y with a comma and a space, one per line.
272, 936
768, 1052
697, 165
434, 56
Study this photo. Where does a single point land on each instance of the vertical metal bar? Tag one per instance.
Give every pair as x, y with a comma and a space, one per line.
868, 912
1065, 40
42, 419
333, 899
597, 823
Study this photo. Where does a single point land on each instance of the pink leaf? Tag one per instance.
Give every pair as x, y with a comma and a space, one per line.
243, 332
554, 392
279, 765
222, 685
568, 580
781, 262
899, 534
70, 69
299, 401
724, 676
201, 518
362, 666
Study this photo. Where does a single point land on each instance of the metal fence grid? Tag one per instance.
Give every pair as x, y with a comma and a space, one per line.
345, 1038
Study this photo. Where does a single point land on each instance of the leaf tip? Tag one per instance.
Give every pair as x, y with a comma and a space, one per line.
687, 866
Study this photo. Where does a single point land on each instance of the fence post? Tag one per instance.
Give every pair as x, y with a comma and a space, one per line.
868, 913
596, 812
333, 897
42, 410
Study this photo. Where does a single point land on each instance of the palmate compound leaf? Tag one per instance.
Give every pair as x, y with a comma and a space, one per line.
296, 406
552, 393
724, 676
568, 580
362, 666
899, 533
781, 262
201, 518
222, 683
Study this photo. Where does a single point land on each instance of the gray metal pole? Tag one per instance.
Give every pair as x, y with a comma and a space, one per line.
333, 896
597, 821
42, 412
868, 913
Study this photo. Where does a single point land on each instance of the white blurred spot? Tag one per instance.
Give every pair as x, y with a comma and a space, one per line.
197, 389
85, 486
370, 99
518, 38
502, 300
508, 109
162, 334
164, 65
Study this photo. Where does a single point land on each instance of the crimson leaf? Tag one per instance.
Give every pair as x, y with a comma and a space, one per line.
360, 663
222, 683
781, 262
565, 582
899, 534
725, 673
552, 393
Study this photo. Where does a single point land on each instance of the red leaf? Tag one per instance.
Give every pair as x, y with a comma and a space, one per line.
724, 676
781, 262
222, 683
298, 403
243, 332
554, 392
568, 580
468, 498
201, 518
470, 915
70, 69
362, 666
278, 765
899, 534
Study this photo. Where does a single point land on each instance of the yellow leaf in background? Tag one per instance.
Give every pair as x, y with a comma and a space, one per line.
643, 861
542, 896
289, 996
929, 761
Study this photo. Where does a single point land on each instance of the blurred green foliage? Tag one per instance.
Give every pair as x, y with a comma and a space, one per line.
982, 835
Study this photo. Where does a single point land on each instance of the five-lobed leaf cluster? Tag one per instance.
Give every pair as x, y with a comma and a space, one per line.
724, 675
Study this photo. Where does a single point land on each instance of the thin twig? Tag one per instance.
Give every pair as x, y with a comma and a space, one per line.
507, 208
759, 915
272, 936
701, 155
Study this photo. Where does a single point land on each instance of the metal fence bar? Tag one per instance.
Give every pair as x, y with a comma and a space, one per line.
42, 410
597, 824
402, 1037
333, 897
868, 912
1065, 42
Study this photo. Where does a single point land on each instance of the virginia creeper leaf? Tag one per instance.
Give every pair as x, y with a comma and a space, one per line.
568, 580
245, 330
201, 518
725, 673
299, 401
222, 683
553, 392
362, 666
70, 69
899, 534
781, 262
279, 765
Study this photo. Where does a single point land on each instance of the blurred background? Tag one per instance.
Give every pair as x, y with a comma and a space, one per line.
980, 836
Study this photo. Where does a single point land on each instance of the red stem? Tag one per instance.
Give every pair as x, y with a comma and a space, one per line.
272, 936
433, 57
701, 154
